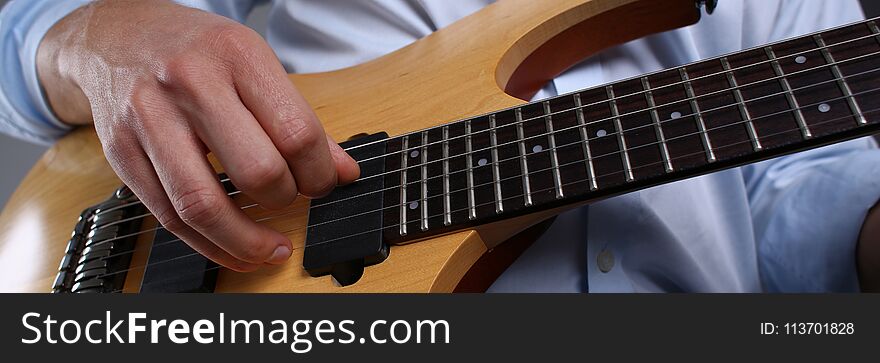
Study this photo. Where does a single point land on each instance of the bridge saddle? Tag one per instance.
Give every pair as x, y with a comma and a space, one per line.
99, 251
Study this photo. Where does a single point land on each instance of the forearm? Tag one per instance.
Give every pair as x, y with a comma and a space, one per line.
56, 64
868, 252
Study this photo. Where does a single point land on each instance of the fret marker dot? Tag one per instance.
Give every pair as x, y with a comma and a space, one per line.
482, 162
413, 205
675, 114
414, 153
824, 107
800, 59
601, 133
537, 148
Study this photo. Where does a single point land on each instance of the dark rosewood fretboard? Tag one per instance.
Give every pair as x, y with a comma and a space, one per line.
607, 140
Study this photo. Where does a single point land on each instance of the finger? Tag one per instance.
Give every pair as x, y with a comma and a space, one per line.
347, 168
199, 200
138, 174
230, 131
288, 119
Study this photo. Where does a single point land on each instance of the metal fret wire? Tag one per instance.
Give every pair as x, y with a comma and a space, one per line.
792, 101
778, 77
741, 122
844, 87
787, 92
566, 164
446, 195
471, 188
791, 91
614, 153
446, 212
511, 197
649, 90
617, 97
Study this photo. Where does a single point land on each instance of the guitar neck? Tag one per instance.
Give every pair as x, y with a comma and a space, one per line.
617, 138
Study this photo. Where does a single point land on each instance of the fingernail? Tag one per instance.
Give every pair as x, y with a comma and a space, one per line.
281, 254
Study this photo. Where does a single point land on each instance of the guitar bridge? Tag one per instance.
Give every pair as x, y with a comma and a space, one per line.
98, 254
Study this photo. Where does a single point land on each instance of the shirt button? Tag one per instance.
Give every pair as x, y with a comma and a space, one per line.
605, 260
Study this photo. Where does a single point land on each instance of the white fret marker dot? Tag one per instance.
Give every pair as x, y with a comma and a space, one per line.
800, 59
601, 133
824, 107
537, 148
413, 205
675, 114
482, 162
414, 153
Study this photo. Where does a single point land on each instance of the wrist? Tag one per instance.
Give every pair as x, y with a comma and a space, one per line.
56, 63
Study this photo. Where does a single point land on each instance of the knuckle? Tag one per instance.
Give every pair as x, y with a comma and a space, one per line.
143, 102
117, 147
198, 207
298, 138
261, 173
185, 72
232, 38
169, 219
122, 153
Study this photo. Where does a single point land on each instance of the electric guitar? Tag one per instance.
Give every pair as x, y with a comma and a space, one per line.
459, 174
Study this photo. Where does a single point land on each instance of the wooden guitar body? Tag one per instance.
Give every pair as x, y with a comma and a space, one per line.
490, 60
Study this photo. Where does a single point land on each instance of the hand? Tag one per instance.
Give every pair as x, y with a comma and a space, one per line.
164, 84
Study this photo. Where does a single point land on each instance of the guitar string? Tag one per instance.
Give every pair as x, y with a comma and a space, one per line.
443, 195
608, 134
650, 89
482, 204
776, 59
487, 183
516, 196
578, 126
623, 115
606, 101
707, 130
426, 199
652, 109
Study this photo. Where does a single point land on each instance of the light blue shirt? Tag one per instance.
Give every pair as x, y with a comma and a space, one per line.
787, 224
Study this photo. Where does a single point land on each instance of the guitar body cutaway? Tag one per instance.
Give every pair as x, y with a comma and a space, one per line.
490, 60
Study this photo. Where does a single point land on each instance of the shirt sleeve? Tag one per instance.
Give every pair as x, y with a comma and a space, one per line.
808, 208
24, 112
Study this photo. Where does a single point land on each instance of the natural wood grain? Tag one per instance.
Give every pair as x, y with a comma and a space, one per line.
457, 72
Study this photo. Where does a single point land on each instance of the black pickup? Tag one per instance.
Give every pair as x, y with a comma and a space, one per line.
343, 249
